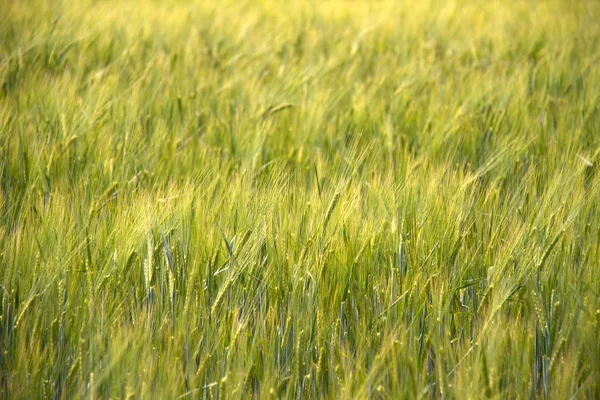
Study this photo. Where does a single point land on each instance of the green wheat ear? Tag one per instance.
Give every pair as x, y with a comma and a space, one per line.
148, 267
331, 209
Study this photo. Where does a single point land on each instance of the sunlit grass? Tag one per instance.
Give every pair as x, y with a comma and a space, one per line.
299, 199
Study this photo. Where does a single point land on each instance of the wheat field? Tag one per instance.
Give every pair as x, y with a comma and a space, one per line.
299, 199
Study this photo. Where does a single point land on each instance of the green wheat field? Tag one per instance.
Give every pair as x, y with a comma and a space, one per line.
299, 199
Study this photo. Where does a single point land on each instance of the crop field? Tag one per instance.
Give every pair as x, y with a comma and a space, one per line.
299, 199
